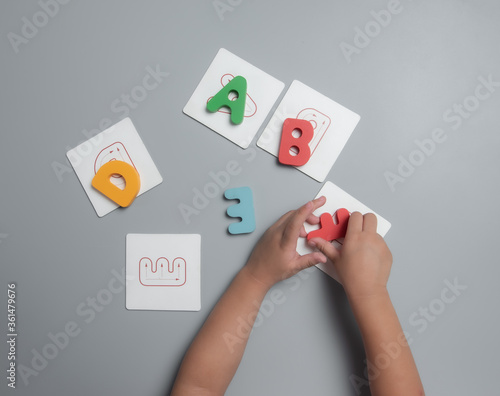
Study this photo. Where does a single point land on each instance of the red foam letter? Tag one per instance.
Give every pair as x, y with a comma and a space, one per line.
328, 230
301, 144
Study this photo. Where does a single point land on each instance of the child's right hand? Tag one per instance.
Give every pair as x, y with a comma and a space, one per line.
364, 262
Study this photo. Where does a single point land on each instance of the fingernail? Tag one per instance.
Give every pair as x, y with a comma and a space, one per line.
312, 243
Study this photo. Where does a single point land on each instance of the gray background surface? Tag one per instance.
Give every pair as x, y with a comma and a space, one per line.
444, 216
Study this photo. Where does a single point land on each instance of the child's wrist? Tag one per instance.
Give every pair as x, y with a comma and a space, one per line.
255, 280
372, 299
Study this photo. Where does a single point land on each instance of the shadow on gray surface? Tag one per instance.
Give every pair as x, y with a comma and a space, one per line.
343, 320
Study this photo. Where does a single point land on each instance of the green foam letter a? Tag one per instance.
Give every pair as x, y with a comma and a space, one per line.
239, 85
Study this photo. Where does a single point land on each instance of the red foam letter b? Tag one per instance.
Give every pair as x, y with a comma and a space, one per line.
296, 144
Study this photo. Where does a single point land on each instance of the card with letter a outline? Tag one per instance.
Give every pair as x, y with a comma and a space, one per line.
262, 92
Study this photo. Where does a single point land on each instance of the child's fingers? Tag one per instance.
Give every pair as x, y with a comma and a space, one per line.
308, 260
370, 222
296, 221
303, 232
325, 247
313, 219
355, 224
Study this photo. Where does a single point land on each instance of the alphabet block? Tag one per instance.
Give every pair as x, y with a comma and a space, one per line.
102, 183
244, 209
328, 230
237, 106
301, 143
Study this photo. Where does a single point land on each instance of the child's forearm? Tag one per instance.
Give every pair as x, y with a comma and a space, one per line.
392, 370
213, 357
216, 352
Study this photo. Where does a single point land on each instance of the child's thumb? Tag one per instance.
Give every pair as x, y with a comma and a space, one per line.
325, 247
310, 259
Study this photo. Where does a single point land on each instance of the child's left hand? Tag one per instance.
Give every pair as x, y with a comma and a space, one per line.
275, 256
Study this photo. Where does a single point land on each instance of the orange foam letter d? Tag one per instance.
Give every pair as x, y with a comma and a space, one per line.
102, 183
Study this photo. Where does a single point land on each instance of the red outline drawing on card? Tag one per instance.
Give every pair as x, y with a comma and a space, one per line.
162, 272
111, 153
250, 105
320, 122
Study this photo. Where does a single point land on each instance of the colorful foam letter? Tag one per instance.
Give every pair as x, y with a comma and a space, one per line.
237, 106
102, 182
328, 230
244, 210
301, 143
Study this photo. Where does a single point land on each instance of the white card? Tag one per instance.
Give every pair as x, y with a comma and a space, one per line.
336, 199
262, 92
119, 142
333, 125
163, 272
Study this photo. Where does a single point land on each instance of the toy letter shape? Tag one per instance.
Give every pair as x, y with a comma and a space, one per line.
301, 143
237, 106
330, 231
244, 210
102, 183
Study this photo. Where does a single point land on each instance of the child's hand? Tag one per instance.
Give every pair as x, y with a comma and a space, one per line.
275, 256
364, 262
